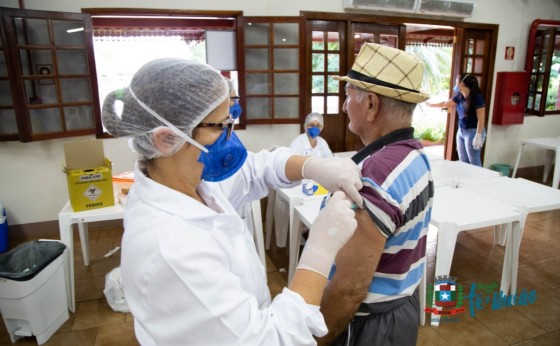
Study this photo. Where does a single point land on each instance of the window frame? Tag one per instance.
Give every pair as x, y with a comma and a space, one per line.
539, 27
21, 107
200, 19
242, 68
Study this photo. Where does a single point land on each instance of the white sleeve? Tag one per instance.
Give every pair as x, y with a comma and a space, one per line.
261, 171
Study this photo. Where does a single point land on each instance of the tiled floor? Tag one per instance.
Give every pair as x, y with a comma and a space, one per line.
476, 260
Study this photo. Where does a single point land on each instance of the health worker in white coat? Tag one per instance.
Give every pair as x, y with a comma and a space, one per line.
191, 274
309, 142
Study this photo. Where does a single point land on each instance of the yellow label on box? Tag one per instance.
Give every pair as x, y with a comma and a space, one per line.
91, 188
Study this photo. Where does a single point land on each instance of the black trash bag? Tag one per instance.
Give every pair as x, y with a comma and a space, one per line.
28, 259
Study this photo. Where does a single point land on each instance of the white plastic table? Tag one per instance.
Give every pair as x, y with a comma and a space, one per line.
66, 219
550, 143
451, 173
450, 217
459, 209
304, 215
283, 218
528, 196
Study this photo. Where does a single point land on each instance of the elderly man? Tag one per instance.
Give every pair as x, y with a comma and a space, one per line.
372, 296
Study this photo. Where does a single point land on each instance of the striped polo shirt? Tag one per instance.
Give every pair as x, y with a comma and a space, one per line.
398, 193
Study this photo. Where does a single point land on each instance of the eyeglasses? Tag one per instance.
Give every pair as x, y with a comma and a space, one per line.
228, 124
234, 98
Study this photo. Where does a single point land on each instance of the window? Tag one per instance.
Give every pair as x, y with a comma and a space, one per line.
273, 70
126, 39
47, 76
325, 63
543, 62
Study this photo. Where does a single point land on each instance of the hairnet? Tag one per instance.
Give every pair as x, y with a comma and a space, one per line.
314, 117
229, 85
182, 92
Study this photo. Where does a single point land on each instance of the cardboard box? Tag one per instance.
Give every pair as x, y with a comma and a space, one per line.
89, 175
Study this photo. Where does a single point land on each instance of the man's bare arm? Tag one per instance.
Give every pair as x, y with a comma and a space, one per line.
355, 265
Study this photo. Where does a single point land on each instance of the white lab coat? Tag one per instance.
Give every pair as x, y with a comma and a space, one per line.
192, 276
301, 146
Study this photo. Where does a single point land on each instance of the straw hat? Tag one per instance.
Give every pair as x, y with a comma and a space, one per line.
387, 71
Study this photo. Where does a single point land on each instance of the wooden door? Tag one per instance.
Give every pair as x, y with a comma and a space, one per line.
474, 54
332, 48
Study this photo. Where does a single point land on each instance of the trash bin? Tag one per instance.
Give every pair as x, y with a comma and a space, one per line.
503, 168
33, 300
3, 230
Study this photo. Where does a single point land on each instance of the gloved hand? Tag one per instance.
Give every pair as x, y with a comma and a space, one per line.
332, 228
334, 174
477, 141
235, 110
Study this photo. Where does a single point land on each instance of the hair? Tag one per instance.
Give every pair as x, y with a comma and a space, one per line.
470, 82
392, 105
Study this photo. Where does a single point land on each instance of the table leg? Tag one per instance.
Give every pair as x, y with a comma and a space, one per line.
66, 237
517, 160
281, 225
84, 240
422, 292
269, 217
547, 165
516, 232
556, 176
295, 239
505, 284
447, 239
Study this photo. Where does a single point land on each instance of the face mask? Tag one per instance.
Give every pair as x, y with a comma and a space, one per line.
235, 110
313, 132
456, 88
224, 158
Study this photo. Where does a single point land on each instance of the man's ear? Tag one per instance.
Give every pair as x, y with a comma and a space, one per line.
373, 106
165, 140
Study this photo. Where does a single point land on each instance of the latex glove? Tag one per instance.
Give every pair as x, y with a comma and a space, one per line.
235, 110
332, 228
334, 174
477, 141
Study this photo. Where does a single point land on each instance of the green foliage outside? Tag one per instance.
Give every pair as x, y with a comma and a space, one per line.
429, 123
553, 82
433, 132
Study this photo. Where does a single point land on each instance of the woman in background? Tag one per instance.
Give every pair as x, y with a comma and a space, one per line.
471, 108
310, 143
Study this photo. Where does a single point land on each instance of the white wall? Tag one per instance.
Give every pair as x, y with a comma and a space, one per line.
33, 187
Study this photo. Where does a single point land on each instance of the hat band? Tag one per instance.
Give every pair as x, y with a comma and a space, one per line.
363, 78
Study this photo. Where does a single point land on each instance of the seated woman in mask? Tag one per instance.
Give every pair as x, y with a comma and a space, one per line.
310, 143
190, 271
